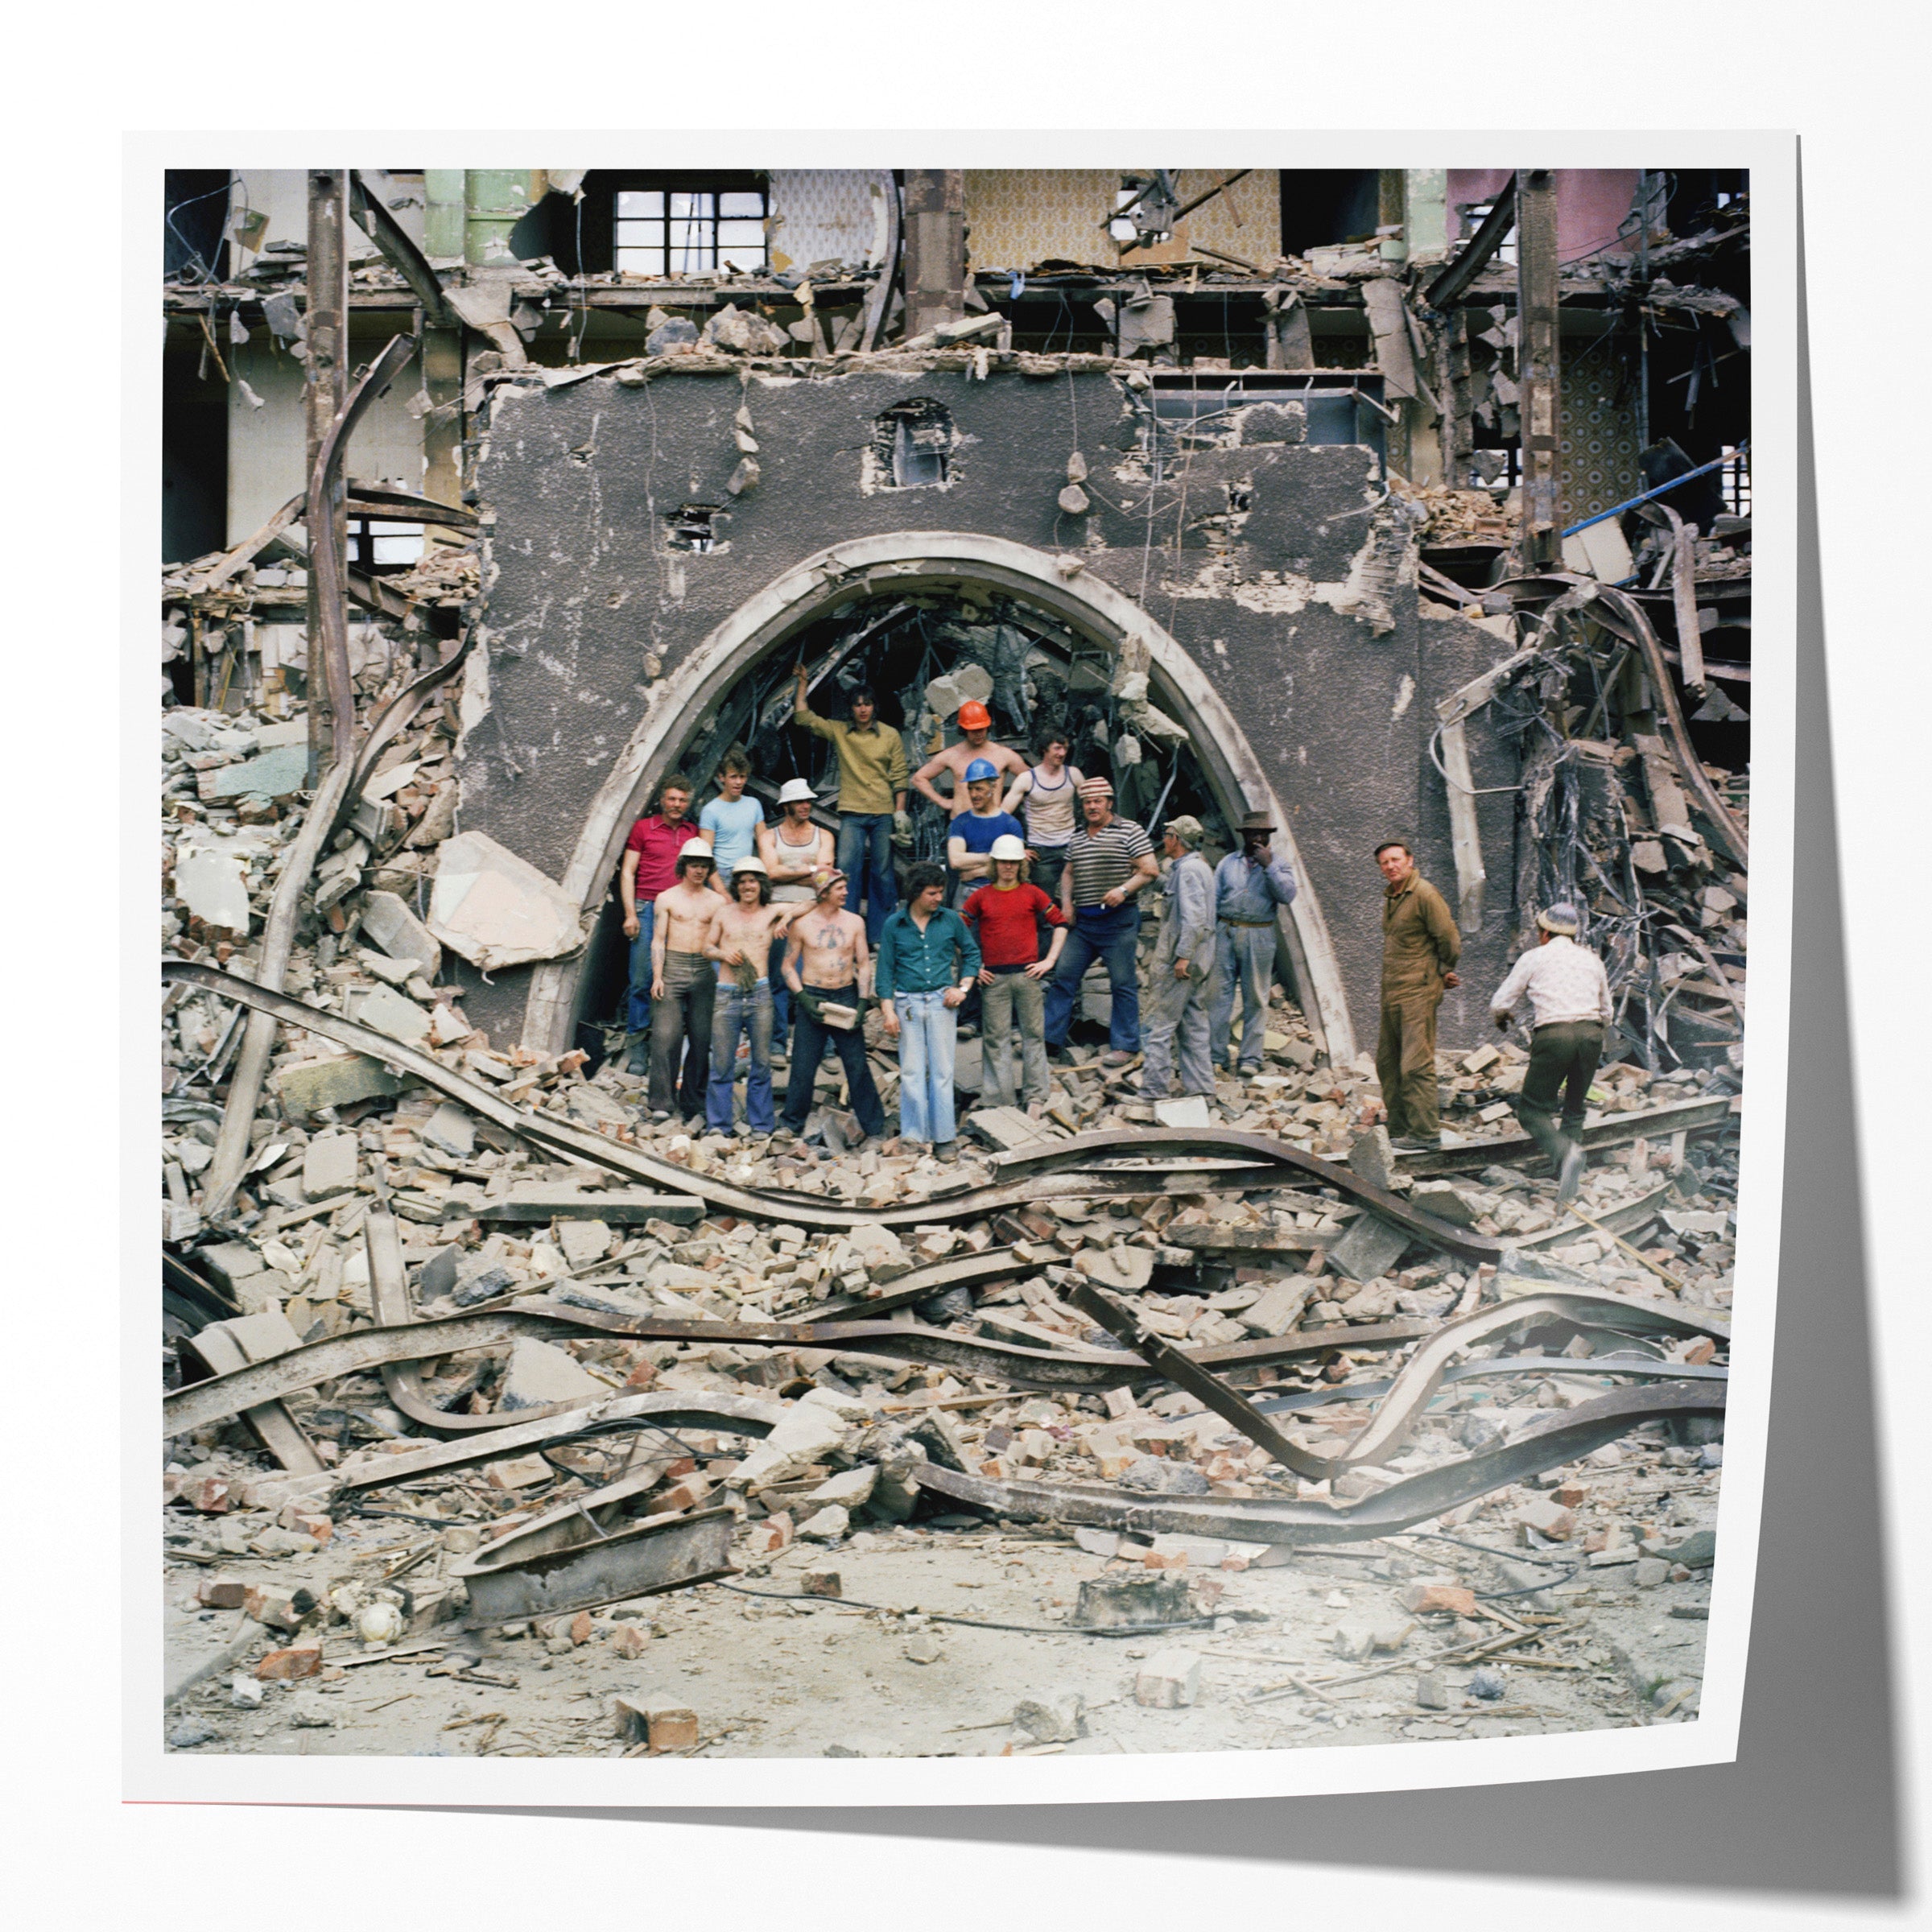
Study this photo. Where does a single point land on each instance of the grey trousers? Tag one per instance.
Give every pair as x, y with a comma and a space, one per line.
1243, 954
1013, 996
1177, 1026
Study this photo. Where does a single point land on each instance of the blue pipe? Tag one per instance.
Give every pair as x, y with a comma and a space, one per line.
1602, 516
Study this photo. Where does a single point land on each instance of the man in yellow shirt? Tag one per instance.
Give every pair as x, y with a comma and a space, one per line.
872, 794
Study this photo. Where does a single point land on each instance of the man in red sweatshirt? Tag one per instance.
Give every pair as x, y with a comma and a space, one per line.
1005, 917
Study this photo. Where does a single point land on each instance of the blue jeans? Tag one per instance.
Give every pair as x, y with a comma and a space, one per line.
864, 855
736, 1011
1109, 937
809, 1037
637, 1000
928, 1036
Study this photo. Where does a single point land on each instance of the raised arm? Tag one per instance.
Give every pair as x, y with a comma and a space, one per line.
1017, 791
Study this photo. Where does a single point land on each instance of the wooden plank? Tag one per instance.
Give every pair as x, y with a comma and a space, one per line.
281, 1434
538, 1201
1464, 834
1683, 584
1669, 809
1252, 1241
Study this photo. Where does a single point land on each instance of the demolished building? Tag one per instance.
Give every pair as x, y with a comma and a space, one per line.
1393, 504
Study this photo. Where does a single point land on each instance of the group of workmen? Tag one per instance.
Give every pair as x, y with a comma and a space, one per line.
744, 932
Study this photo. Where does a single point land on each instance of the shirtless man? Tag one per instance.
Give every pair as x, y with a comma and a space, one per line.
682, 983
826, 951
742, 938
976, 720
795, 851
1045, 795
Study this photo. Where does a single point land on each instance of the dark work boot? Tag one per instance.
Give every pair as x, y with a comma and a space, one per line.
638, 1058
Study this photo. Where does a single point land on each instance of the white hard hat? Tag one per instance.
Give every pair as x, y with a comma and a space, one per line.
751, 865
795, 789
695, 848
1006, 846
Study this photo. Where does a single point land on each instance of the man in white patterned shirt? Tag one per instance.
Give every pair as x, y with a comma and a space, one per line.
1569, 996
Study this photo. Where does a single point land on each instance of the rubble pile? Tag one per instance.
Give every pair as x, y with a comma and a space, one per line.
325, 1548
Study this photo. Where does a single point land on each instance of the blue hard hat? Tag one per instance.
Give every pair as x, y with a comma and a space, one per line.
981, 768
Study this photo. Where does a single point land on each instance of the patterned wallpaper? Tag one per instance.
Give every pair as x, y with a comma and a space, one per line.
828, 213
1018, 217
1597, 451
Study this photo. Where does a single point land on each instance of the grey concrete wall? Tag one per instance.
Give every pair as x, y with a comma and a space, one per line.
585, 606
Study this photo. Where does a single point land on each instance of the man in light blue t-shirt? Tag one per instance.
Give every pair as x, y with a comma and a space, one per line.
729, 823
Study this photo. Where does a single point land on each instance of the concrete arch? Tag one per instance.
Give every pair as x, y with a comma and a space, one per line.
944, 560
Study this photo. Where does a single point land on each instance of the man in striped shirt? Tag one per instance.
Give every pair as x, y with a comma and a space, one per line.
1109, 860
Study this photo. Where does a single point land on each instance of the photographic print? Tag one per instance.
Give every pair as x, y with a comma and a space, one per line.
955, 964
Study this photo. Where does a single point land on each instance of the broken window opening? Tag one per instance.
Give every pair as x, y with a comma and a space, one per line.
1475, 214
660, 231
690, 527
914, 444
1735, 477
376, 544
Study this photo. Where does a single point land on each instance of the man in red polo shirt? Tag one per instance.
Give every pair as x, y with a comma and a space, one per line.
1005, 917
650, 867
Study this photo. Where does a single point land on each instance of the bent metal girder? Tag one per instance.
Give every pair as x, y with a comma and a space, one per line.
1566, 1436
1278, 1160
1085, 1370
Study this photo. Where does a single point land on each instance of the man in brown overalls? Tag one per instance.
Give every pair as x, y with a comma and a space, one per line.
1420, 947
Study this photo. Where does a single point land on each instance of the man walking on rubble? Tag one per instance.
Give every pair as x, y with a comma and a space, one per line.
1569, 994
1108, 859
1420, 948
1250, 885
650, 867
872, 797
1182, 981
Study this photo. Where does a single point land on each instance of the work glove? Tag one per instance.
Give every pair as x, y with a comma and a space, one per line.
901, 828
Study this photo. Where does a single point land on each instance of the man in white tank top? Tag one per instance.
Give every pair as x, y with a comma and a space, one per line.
795, 851
1049, 793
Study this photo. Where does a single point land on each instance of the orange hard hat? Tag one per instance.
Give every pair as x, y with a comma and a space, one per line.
975, 716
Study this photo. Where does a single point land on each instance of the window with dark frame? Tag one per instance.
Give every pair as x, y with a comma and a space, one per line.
378, 544
669, 231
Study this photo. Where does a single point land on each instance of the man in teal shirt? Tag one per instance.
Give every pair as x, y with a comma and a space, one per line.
928, 961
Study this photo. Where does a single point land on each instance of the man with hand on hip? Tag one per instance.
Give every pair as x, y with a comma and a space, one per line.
797, 854
975, 721
1108, 859
1005, 916
1046, 796
928, 961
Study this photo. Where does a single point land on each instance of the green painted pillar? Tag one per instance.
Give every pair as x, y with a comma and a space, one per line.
494, 200
443, 225
1428, 213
